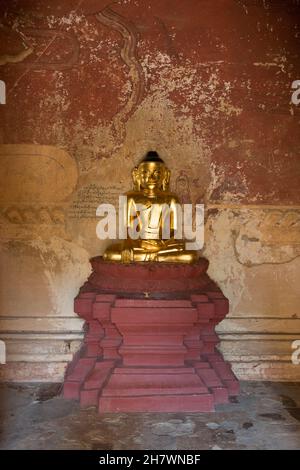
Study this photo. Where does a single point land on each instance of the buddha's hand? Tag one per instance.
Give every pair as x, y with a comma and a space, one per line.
127, 255
151, 257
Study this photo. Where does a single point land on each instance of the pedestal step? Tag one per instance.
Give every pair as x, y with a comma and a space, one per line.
140, 382
76, 377
153, 355
156, 389
158, 403
94, 383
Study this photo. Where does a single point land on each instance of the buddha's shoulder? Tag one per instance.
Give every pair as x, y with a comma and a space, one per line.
166, 197
133, 195
172, 197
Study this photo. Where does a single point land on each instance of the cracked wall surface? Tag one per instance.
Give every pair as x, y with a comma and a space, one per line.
90, 87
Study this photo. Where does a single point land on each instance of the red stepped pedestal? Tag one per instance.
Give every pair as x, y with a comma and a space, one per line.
150, 341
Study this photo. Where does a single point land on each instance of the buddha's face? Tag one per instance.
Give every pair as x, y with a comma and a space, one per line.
151, 175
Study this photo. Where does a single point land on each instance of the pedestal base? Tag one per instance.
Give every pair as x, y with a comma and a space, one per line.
151, 350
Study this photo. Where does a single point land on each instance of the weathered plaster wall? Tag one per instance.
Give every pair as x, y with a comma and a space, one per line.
90, 87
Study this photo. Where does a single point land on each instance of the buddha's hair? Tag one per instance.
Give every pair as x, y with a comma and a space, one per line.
152, 156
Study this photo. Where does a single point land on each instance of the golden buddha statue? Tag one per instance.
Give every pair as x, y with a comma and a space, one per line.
151, 193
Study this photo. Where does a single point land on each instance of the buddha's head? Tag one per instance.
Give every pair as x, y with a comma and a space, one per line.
151, 173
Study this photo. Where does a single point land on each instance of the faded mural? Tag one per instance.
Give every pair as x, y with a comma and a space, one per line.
90, 87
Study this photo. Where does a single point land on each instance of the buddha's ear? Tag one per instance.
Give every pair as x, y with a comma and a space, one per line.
135, 178
166, 181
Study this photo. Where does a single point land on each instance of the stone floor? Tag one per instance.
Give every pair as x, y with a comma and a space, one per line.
265, 416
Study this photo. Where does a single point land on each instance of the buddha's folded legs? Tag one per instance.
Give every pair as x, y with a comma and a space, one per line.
178, 256
170, 251
113, 253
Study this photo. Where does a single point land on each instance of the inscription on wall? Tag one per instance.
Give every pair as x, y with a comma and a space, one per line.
90, 196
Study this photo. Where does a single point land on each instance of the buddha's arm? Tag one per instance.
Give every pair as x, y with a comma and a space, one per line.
133, 220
